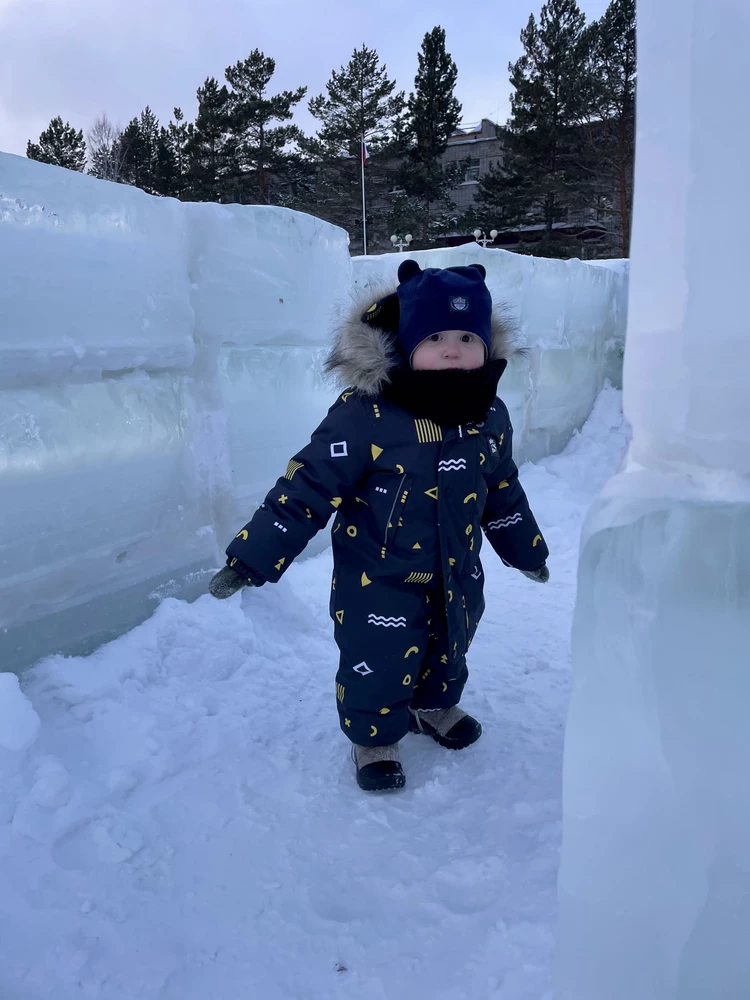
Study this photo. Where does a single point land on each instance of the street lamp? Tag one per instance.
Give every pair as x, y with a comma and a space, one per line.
481, 238
401, 243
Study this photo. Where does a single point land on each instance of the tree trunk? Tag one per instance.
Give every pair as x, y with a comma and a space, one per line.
625, 167
625, 213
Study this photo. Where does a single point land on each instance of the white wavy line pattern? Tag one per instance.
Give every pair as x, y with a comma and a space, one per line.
451, 464
386, 622
504, 522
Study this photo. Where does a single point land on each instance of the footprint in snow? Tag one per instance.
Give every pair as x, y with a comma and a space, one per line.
110, 840
469, 885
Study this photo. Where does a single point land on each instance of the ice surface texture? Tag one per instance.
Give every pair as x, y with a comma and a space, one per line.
160, 362
655, 873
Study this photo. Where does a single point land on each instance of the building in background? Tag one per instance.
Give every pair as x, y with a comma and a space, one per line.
481, 145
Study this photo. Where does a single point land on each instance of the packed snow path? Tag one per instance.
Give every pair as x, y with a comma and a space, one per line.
185, 825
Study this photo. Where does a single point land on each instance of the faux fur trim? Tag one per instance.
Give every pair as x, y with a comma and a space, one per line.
362, 354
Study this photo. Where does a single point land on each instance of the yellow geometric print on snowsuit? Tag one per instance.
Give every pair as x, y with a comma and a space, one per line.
428, 431
293, 467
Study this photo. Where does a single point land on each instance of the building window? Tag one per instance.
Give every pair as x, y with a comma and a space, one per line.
472, 172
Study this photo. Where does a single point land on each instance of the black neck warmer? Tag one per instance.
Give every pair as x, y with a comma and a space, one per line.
449, 398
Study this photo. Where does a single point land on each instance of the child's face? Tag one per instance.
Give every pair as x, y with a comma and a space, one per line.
451, 349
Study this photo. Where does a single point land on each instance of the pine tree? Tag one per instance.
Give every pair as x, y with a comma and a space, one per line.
359, 104
608, 128
150, 132
59, 145
178, 138
433, 115
134, 167
166, 180
140, 152
541, 178
206, 144
259, 146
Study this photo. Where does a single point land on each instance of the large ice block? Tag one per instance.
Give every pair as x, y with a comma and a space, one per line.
655, 874
93, 277
158, 364
266, 285
569, 316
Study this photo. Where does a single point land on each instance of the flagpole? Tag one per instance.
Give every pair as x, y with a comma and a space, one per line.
364, 209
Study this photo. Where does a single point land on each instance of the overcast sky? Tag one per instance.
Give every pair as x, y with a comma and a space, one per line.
77, 58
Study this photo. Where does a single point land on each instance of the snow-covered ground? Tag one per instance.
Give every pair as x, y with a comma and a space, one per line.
181, 820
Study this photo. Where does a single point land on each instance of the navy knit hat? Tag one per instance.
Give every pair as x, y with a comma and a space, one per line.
437, 299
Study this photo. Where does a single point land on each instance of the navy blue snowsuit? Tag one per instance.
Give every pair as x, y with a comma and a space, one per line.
411, 500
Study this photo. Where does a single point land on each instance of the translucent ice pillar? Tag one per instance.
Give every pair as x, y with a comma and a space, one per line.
655, 873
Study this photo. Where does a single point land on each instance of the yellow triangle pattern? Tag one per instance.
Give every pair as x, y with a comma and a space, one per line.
340, 617
365, 580
376, 452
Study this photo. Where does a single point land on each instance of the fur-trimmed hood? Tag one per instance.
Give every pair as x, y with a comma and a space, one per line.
365, 347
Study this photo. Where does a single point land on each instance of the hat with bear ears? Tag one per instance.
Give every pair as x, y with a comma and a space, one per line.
436, 299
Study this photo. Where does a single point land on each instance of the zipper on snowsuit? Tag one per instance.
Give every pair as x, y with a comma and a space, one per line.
390, 516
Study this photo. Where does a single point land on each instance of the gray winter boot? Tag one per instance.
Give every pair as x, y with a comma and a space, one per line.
450, 727
378, 768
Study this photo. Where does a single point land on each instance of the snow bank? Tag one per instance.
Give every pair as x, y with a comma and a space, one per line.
655, 873
571, 319
19, 723
159, 362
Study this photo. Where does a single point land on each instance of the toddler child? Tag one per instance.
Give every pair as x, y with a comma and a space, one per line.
415, 461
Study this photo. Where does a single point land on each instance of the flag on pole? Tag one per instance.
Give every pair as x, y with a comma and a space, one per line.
365, 158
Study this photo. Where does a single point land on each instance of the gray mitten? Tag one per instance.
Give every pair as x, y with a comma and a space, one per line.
227, 582
540, 575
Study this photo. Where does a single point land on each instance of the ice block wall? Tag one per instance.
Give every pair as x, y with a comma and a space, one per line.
654, 885
569, 316
160, 362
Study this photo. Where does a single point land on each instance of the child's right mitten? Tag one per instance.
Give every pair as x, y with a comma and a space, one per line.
540, 575
232, 578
